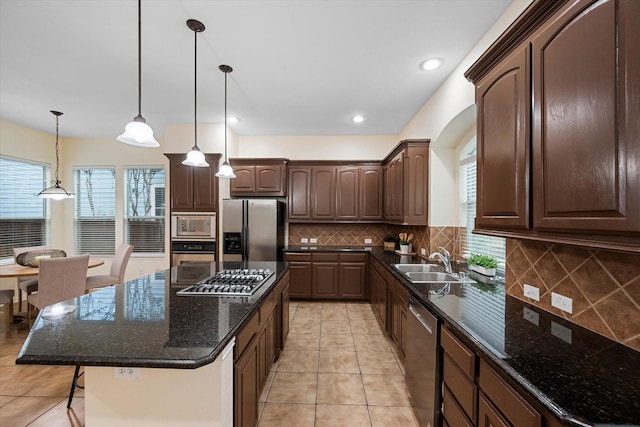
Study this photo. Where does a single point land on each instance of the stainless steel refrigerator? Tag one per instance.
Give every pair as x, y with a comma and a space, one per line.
253, 229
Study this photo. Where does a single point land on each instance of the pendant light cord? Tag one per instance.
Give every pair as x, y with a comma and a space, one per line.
57, 156
226, 157
140, 58
195, 87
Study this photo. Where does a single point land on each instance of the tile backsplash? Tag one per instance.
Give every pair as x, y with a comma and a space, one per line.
604, 285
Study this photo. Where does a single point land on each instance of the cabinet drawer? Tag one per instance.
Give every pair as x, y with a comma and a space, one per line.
453, 414
325, 257
460, 386
246, 333
295, 256
353, 257
507, 400
459, 352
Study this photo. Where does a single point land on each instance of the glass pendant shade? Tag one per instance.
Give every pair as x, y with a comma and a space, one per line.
225, 171
195, 157
56, 192
138, 133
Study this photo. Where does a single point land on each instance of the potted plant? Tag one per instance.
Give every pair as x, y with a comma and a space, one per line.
483, 264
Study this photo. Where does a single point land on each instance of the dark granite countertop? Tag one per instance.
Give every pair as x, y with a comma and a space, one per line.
581, 377
143, 323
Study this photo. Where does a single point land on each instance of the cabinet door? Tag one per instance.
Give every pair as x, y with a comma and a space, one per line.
586, 155
246, 387
300, 279
181, 185
325, 280
244, 182
205, 187
269, 179
488, 416
323, 196
503, 154
394, 189
371, 193
299, 193
263, 355
347, 185
352, 280
415, 204
284, 331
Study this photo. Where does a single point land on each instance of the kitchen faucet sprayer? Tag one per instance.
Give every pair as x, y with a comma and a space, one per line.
445, 257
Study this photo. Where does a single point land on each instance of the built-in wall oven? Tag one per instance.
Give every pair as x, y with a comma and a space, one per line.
193, 237
192, 251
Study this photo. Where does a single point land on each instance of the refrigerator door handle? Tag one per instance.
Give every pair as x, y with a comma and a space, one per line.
245, 230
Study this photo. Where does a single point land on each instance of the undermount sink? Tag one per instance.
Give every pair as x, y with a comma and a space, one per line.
435, 277
422, 268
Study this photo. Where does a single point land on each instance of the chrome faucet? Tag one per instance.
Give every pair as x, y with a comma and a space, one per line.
445, 257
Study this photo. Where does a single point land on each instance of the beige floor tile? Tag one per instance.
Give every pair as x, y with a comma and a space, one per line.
298, 361
344, 362
345, 389
384, 416
337, 342
366, 327
267, 384
298, 341
385, 390
293, 387
290, 414
305, 326
59, 416
370, 343
340, 315
23, 410
5, 399
342, 415
381, 362
335, 327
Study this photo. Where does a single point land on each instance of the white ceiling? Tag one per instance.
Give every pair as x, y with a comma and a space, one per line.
300, 67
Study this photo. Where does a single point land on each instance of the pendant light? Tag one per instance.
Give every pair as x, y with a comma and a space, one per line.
138, 132
226, 171
56, 192
195, 157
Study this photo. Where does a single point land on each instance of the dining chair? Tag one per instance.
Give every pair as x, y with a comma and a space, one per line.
116, 272
27, 285
6, 299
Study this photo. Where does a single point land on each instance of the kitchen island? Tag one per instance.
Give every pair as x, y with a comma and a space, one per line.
176, 350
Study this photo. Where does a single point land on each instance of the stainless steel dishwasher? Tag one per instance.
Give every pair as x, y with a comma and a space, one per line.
422, 361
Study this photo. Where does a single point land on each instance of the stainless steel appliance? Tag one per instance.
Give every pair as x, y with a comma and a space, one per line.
234, 282
192, 251
253, 230
193, 226
421, 364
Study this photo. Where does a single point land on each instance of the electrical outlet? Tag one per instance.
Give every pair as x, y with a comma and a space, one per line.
122, 373
313, 240
367, 241
561, 332
531, 315
532, 292
304, 240
562, 302
423, 251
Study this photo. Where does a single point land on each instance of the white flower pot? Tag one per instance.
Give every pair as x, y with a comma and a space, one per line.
482, 270
405, 249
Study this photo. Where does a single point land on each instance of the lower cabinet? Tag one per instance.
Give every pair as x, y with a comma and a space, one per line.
399, 306
258, 344
378, 292
300, 274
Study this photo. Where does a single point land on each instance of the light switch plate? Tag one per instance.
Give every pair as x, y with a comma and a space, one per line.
423, 251
532, 292
304, 240
313, 240
367, 241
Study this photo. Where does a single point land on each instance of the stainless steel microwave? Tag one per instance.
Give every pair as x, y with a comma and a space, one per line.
193, 226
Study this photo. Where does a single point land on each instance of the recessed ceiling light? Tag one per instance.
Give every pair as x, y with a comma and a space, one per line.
357, 119
430, 64
232, 120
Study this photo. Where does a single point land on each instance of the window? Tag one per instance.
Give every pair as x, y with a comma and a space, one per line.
144, 209
475, 243
95, 210
23, 217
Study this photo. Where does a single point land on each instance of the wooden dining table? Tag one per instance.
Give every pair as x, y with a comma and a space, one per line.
17, 270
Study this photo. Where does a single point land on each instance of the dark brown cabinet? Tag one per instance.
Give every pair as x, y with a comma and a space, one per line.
557, 160
246, 387
399, 306
300, 274
378, 292
407, 183
193, 189
324, 283
334, 193
352, 276
259, 177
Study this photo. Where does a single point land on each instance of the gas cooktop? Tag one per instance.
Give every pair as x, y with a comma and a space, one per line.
242, 282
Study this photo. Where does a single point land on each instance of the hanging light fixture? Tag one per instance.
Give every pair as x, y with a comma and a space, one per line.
226, 171
195, 157
56, 192
138, 132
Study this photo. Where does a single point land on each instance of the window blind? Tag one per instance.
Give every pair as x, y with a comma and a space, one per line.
95, 210
23, 216
145, 209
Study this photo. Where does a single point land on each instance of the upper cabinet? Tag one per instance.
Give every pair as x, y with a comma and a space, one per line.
259, 177
568, 170
193, 189
331, 192
406, 175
